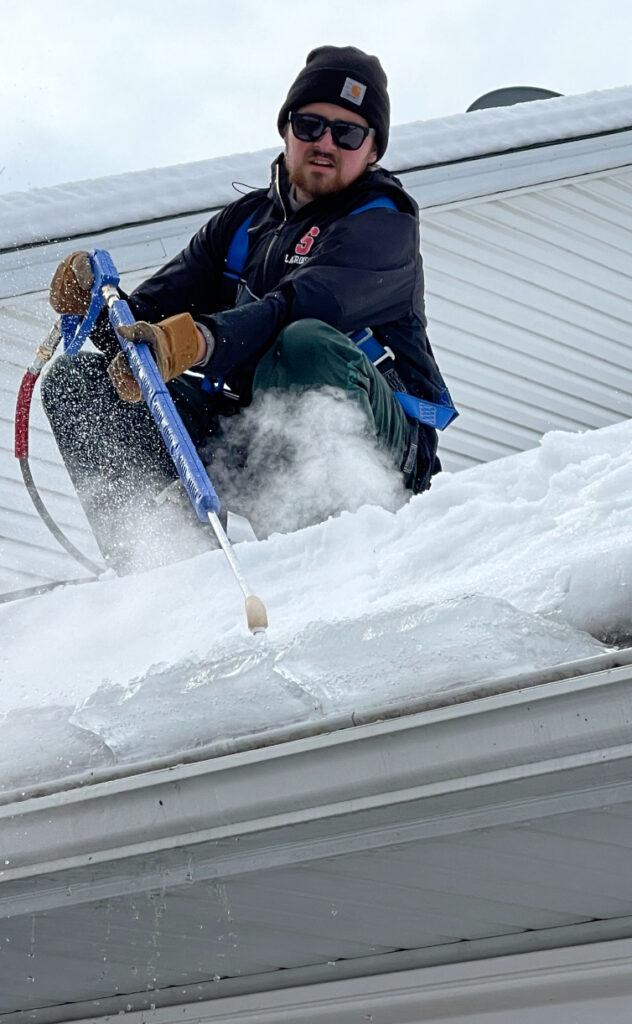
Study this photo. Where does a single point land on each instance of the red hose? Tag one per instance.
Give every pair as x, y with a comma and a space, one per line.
22, 413
22, 416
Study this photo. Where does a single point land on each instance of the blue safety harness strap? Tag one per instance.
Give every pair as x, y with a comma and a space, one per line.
383, 201
434, 414
438, 415
212, 386
371, 347
238, 250
235, 261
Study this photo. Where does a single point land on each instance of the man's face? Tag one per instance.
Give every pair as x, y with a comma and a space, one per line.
321, 168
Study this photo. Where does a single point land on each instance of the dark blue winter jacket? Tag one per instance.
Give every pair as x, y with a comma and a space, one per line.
322, 261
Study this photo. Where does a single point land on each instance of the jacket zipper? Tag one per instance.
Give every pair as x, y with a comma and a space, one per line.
277, 231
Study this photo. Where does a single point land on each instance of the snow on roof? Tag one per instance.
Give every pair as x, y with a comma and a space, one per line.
94, 205
501, 569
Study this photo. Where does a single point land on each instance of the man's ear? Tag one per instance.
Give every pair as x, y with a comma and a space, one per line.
373, 156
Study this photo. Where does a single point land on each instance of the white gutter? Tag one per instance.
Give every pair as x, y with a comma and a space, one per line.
524, 748
297, 731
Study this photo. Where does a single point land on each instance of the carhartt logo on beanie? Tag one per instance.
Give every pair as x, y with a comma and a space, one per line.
347, 77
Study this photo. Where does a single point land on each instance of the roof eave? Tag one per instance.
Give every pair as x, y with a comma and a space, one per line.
495, 758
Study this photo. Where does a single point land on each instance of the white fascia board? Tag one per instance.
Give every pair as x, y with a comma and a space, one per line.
143, 246
577, 985
501, 759
143, 243
505, 173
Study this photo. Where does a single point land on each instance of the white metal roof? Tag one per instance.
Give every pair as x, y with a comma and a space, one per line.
83, 207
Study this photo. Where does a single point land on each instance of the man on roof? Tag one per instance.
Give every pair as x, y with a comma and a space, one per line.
272, 293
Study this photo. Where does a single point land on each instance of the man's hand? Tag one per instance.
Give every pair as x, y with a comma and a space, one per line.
70, 289
175, 345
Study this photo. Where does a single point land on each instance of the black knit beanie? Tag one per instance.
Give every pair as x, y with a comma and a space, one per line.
347, 77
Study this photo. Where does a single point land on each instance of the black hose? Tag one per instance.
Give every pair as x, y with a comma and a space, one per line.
42, 588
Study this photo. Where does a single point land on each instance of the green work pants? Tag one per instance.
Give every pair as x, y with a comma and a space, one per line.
311, 354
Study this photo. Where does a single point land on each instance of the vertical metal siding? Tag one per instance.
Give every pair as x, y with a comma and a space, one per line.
28, 554
530, 311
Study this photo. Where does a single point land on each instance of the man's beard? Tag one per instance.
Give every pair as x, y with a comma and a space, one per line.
314, 184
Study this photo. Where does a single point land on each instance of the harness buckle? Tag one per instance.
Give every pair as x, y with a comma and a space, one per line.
386, 354
372, 348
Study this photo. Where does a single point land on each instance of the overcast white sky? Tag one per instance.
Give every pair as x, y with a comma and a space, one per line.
90, 89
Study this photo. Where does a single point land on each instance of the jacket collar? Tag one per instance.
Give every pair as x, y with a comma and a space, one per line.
370, 180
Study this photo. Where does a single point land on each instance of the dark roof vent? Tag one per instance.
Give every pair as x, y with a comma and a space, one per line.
514, 94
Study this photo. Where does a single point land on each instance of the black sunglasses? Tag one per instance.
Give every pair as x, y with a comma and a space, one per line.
312, 127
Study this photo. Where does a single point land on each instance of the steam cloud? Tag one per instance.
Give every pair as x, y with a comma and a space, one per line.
288, 461
309, 456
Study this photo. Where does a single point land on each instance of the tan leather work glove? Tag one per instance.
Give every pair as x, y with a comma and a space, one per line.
71, 284
174, 344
